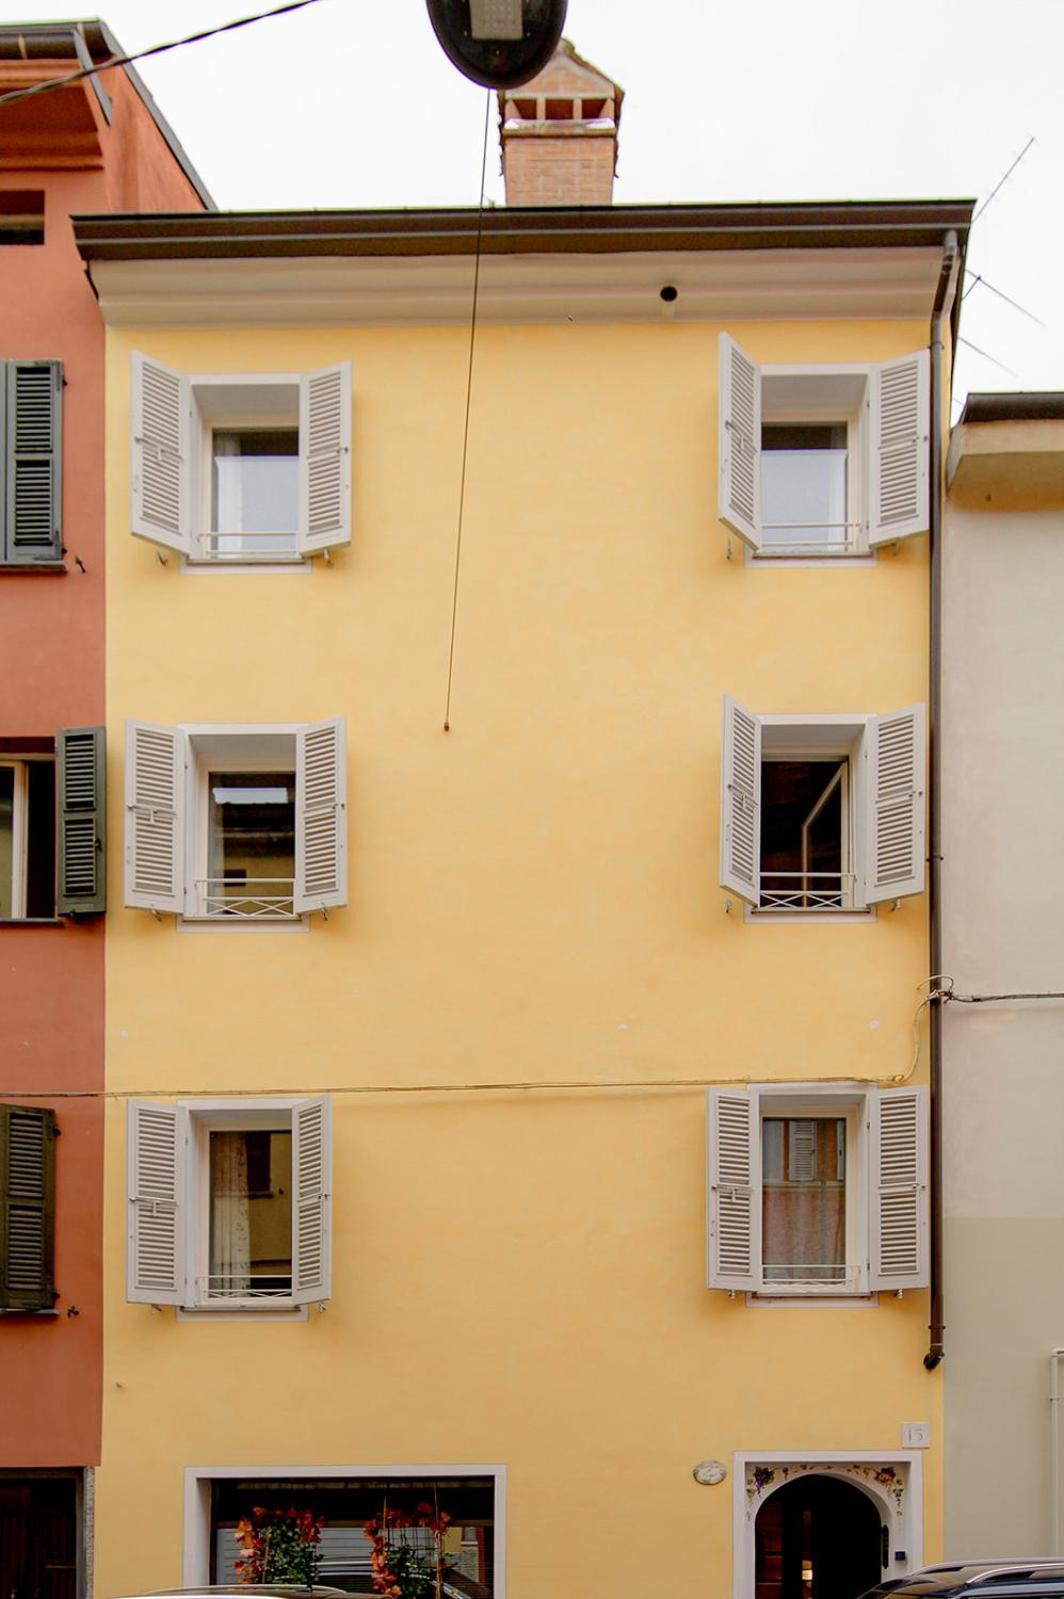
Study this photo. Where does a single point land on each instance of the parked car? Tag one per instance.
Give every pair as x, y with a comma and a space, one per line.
250, 1590
978, 1579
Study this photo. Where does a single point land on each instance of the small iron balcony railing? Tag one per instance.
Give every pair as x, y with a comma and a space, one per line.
253, 898
806, 891
242, 1285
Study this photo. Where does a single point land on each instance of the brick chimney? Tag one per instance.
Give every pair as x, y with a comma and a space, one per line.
559, 134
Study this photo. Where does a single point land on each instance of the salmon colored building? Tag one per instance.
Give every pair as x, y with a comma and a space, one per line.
96, 145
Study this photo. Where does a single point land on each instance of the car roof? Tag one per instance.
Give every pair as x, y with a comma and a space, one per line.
1028, 1576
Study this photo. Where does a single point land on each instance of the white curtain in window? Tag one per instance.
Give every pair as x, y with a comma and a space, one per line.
230, 1216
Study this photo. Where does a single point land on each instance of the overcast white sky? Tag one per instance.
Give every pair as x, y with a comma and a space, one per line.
352, 103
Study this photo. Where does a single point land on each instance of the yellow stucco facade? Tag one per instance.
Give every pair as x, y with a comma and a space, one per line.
518, 1272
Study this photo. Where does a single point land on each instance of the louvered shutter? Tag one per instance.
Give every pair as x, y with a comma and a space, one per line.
33, 463
740, 805
895, 747
160, 407
312, 1210
901, 450
155, 817
157, 1151
27, 1207
325, 458
81, 810
321, 815
734, 1188
739, 442
898, 1186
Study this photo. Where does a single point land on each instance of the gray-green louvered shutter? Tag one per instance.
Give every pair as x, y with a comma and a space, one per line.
81, 813
27, 1207
33, 463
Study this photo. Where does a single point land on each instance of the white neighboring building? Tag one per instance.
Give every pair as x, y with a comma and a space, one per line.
1003, 933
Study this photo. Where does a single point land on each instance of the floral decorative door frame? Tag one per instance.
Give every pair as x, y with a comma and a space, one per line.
893, 1478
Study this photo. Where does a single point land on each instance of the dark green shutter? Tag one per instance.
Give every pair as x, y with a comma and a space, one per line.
27, 1207
33, 463
81, 821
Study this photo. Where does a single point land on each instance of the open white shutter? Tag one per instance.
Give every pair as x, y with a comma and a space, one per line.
901, 449
739, 442
740, 803
155, 817
321, 815
734, 1188
898, 1188
325, 458
162, 499
897, 760
312, 1210
155, 1258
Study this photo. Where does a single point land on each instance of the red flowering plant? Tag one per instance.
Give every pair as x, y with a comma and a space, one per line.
403, 1566
279, 1546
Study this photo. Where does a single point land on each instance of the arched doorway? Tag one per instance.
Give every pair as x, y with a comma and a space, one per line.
817, 1537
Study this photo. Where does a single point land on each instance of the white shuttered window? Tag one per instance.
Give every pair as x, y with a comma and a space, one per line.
199, 801
740, 839
155, 817
203, 486
325, 458
896, 751
900, 449
739, 442
899, 1190
197, 1171
822, 459
155, 1260
312, 1179
321, 815
162, 497
885, 1161
734, 1189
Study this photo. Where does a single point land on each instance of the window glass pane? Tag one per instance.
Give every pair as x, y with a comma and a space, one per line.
255, 490
7, 837
251, 843
803, 821
250, 1215
803, 485
40, 842
804, 1199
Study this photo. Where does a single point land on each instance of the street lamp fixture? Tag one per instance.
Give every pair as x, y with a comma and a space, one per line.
498, 43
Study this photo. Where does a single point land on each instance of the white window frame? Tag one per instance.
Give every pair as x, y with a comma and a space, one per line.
888, 766
202, 430
889, 463
20, 832
171, 424
857, 423
888, 1184
234, 1116
168, 1192
200, 765
825, 1102
166, 813
842, 740
19, 835
196, 1531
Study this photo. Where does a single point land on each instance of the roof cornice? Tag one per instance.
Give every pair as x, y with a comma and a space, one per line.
583, 230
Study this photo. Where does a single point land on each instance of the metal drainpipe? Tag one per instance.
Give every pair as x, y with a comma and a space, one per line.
1055, 1357
943, 307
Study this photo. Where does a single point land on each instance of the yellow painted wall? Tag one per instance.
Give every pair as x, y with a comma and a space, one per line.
518, 1277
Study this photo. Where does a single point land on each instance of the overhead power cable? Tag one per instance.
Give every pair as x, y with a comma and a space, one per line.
153, 50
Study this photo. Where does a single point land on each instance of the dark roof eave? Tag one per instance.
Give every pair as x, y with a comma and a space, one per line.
585, 229
1025, 406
